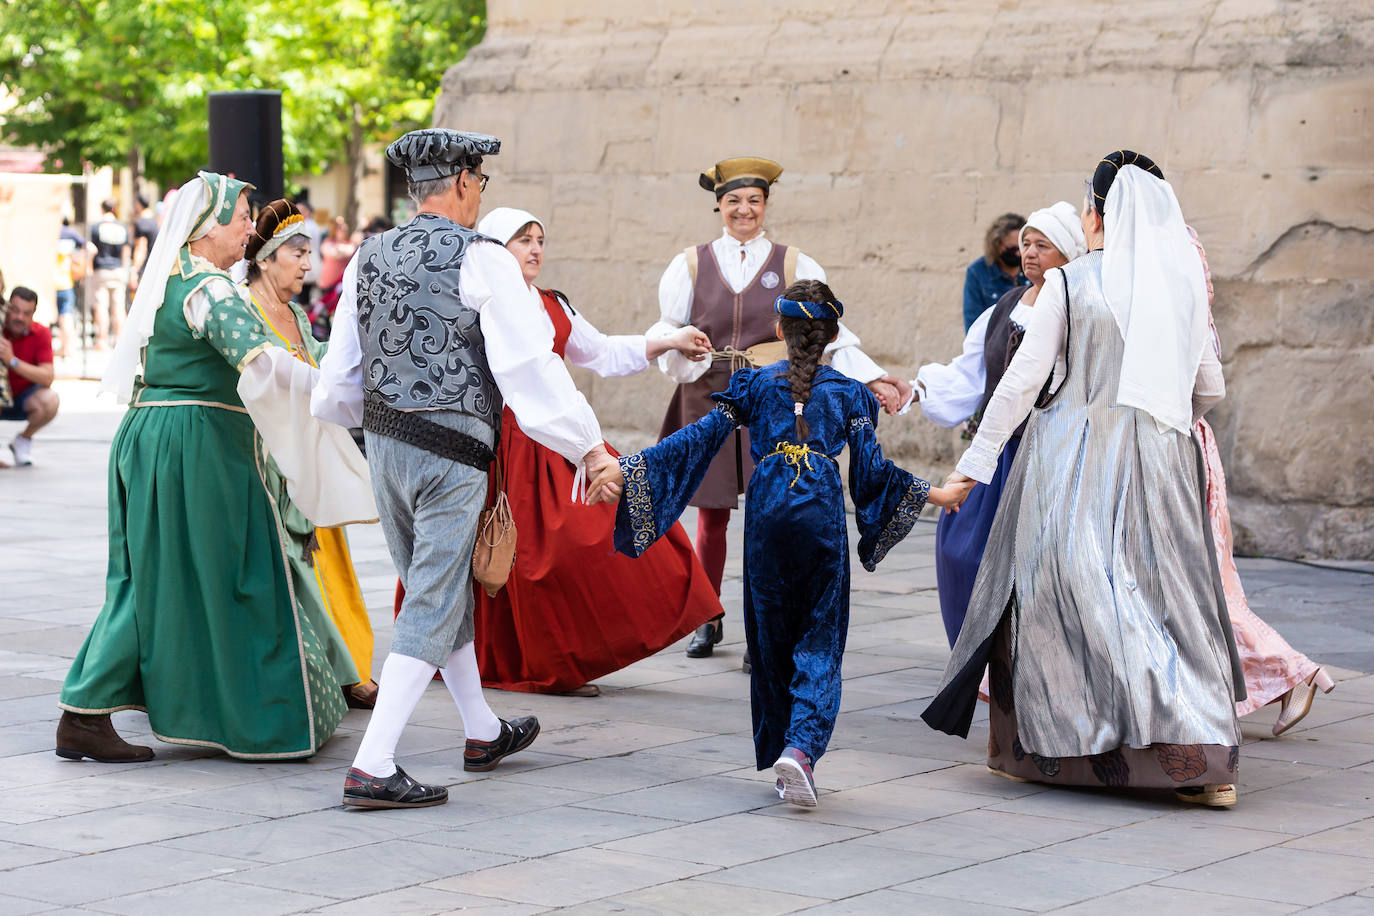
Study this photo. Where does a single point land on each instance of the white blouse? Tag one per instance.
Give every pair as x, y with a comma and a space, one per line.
608, 355
739, 263
518, 337
951, 392
1042, 351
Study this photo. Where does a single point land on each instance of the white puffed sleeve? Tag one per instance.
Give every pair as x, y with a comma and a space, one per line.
338, 395
609, 356
533, 381
675, 311
1039, 356
950, 392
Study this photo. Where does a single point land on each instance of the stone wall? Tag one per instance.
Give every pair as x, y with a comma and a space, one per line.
906, 126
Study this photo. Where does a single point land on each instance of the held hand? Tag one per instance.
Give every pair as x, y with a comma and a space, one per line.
952, 495
607, 485
887, 395
6, 353
903, 389
602, 468
692, 343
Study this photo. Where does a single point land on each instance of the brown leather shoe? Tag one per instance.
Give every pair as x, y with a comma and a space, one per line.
94, 737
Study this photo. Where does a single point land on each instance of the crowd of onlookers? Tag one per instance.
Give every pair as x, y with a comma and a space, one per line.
105, 266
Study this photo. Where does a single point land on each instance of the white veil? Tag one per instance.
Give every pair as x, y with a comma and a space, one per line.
1152, 279
179, 226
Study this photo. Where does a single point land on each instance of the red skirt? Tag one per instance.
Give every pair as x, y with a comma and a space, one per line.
574, 609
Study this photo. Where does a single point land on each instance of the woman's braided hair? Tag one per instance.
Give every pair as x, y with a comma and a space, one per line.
806, 339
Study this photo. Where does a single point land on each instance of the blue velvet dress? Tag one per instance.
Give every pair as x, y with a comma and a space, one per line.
796, 542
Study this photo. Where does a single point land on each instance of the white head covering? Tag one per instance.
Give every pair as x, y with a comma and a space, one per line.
1061, 225
194, 210
1152, 278
503, 222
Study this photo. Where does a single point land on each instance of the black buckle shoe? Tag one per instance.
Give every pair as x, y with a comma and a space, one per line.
516, 735
705, 639
395, 791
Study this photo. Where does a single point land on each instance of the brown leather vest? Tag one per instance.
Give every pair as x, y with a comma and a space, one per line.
738, 320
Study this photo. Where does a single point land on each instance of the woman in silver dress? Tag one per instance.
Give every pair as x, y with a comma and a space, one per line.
1098, 607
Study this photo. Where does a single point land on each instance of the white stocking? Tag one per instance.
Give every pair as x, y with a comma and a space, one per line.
464, 682
402, 683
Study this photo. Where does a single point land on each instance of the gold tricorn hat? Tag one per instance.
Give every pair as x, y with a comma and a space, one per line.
742, 172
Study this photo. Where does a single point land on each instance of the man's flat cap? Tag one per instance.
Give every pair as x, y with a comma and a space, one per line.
436, 152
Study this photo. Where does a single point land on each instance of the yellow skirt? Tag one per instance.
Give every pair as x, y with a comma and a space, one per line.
343, 597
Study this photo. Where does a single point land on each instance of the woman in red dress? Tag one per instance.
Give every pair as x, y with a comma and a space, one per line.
574, 609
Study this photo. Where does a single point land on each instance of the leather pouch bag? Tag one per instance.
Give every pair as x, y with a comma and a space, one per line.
493, 556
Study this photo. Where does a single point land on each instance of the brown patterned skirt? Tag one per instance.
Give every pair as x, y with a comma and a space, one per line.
1159, 766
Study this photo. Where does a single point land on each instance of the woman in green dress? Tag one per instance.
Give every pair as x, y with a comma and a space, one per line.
211, 621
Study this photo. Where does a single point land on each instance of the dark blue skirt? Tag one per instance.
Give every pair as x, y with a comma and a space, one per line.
959, 541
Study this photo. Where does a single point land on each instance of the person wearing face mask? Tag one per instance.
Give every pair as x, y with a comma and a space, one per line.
279, 259
996, 270
726, 288
951, 392
205, 623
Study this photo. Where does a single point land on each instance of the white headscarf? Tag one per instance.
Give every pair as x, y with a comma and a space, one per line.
1152, 279
190, 215
503, 222
1061, 225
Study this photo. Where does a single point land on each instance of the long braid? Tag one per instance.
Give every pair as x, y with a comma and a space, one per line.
806, 339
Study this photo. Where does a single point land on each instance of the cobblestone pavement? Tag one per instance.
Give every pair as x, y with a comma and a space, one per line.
643, 800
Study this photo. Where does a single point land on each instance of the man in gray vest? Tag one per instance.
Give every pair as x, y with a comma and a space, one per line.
435, 330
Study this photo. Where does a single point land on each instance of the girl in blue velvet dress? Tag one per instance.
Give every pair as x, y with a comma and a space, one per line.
800, 416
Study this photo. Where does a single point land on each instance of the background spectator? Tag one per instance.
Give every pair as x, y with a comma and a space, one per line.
110, 277
997, 270
26, 351
72, 254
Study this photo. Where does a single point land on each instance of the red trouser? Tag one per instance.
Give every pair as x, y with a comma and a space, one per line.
711, 526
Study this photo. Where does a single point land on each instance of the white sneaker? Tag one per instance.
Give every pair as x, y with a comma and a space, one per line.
22, 448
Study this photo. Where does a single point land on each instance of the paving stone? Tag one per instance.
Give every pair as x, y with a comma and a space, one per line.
17, 855
1287, 875
1096, 807
612, 775
836, 871
367, 869
104, 875
895, 901
693, 896
733, 840
1355, 839
1034, 880
980, 835
541, 833
210, 897
572, 877
131, 825
1175, 845
1343, 906
690, 799
421, 900
1148, 898
18, 906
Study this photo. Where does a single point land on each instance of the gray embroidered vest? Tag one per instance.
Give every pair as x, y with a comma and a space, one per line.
422, 348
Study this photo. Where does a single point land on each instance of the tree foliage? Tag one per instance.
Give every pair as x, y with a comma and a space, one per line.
115, 82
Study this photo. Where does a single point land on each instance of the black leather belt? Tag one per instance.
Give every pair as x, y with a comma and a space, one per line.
414, 429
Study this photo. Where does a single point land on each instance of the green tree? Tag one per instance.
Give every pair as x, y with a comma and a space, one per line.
115, 82
118, 82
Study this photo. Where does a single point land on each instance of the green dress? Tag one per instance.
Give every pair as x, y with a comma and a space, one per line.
212, 621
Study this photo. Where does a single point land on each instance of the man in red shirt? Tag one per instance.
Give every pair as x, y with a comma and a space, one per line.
26, 351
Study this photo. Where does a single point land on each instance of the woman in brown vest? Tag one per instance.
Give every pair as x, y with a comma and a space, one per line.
726, 288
